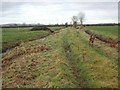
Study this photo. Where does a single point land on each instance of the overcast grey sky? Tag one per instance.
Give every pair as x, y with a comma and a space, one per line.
52, 12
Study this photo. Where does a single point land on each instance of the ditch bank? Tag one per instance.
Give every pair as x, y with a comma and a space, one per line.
8, 46
113, 42
19, 51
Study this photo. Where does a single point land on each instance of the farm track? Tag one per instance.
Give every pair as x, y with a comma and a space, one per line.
22, 51
73, 65
70, 61
75, 72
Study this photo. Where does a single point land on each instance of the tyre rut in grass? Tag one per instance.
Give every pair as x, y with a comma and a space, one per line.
75, 70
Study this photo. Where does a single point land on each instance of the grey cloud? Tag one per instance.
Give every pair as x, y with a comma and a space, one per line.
108, 9
90, 6
65, 6
11, 5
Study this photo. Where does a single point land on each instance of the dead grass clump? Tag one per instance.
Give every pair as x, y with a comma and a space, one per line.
40, 28
21, 50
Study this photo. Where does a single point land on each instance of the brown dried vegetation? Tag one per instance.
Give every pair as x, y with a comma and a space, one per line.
19, 51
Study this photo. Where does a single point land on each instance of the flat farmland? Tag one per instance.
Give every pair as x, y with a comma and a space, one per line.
13, 36
61, 60
17, 34
108, 31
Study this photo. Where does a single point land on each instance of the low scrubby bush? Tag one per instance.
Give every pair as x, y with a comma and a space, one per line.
41, 28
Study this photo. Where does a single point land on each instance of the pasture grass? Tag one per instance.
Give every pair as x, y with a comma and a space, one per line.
108, 31
12, 36
15, 34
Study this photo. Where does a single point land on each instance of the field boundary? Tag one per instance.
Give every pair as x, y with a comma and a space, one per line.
18, 43
13, 45
113, 43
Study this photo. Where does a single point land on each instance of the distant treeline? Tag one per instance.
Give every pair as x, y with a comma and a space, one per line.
102, 24
30, 25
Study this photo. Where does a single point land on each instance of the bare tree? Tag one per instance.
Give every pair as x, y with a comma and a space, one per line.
81, 17
66, 24
74, 19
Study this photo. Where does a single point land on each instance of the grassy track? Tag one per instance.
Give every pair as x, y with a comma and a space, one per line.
108, 31
51, 67
68, 62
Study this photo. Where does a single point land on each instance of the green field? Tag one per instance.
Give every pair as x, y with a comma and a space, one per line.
108, 31
61, 60
16, 35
